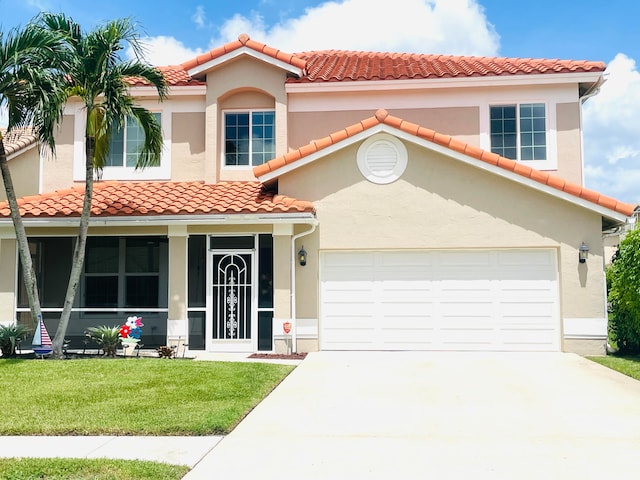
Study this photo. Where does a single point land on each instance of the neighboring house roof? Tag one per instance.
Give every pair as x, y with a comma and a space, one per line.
118, 199
344, 65
340, 65
326, 145
17, 139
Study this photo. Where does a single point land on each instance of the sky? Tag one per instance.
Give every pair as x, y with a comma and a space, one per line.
175, 31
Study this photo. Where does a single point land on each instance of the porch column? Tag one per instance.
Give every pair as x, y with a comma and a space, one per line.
177, 323
8, 267
281, 283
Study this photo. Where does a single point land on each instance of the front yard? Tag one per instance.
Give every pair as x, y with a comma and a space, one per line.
144, 396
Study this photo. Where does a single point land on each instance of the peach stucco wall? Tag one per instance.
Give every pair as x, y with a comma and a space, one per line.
187, 147
569, 142
460, 122
24, 170
242, 83
441, 203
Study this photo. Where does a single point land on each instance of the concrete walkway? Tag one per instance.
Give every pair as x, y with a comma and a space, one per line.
176, 450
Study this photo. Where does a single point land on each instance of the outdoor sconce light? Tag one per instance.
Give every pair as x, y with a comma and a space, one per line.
302, 256
583, 253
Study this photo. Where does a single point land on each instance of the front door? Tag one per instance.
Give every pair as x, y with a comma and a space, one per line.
231, 302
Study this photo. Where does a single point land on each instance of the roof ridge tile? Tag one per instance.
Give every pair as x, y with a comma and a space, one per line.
245, 41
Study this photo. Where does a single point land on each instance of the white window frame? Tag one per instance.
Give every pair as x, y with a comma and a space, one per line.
551, 162
160, 172
223, 136
124, 130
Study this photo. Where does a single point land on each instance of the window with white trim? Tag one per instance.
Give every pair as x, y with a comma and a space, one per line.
519, 132
126, 143
249, 137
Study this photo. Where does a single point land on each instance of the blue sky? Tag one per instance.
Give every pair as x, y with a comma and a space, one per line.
571, 29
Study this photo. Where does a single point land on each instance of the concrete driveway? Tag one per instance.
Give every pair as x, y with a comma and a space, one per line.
438, 415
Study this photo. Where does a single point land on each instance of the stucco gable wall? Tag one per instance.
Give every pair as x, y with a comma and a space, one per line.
243, 78
440, 203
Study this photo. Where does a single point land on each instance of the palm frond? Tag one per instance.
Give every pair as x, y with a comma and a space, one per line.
151, 151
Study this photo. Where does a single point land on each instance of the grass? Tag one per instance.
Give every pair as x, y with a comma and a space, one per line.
82, 469
130, 396
629, 365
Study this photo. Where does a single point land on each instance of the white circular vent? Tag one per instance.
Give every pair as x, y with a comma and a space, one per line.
382, 158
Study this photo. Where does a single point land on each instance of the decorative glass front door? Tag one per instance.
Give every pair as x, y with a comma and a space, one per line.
232, 301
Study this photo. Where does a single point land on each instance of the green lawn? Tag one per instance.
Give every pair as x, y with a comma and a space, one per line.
145, 396
628, 365
81, 469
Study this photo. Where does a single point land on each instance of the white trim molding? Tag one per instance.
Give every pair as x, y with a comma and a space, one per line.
585, 328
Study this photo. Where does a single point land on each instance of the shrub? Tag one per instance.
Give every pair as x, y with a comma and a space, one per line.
623, 280
9, 336
107, 337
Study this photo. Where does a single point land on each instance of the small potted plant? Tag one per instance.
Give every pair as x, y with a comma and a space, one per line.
10, 335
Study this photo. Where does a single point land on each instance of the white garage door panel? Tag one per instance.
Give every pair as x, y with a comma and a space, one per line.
471, 300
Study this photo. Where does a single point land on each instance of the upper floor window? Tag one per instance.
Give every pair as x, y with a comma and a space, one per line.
126, 143
518, 132
249, 138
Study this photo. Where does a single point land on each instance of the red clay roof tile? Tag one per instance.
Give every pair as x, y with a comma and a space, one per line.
244, 41
17, 139
341, 65
175, 76
344, 65
160, 198
383, 117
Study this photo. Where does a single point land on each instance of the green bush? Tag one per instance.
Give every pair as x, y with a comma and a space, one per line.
9, 336
623, 281
107, 337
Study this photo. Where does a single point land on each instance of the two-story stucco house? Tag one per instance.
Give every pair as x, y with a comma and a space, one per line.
369, 201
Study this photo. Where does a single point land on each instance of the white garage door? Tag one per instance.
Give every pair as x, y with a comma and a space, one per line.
440, 300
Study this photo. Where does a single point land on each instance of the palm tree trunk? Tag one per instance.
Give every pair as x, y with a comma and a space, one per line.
28, 273
78, 252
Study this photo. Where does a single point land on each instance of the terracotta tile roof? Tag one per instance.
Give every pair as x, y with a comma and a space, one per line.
244, 41
175, 75
346, 65
118, 199
383, 117
17, 139
341, 65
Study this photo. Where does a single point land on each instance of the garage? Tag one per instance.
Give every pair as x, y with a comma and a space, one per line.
483, 300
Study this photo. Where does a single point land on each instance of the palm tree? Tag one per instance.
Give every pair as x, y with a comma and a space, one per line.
96, 73
28, 89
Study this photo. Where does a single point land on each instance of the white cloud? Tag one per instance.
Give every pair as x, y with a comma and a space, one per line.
437, 26
199, 17
163, 50
612, 133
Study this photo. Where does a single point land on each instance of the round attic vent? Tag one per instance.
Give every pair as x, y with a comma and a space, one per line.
382, 158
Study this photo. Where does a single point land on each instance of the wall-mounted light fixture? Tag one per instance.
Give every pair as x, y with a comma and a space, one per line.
583, 253
302, 256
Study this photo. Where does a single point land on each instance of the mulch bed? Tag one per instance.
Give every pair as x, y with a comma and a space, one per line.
279, 356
